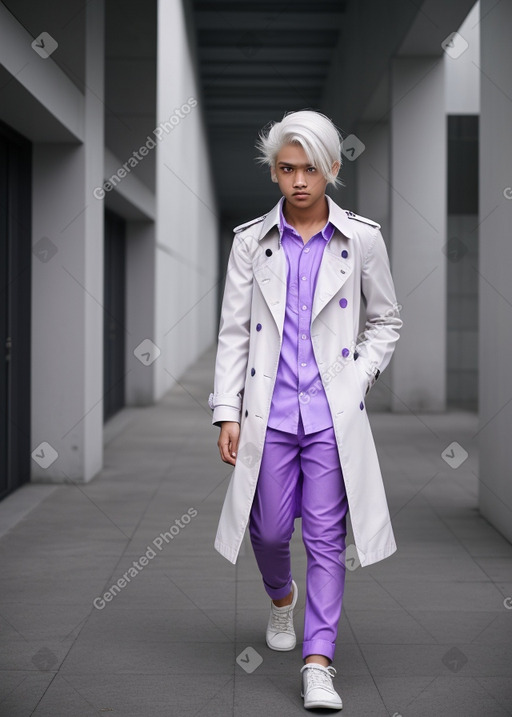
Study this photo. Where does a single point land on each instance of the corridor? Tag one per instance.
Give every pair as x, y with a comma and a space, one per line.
114, 601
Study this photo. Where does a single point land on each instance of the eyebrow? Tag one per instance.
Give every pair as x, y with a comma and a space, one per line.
290, 164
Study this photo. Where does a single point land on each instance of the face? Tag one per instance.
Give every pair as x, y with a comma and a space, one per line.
301, 183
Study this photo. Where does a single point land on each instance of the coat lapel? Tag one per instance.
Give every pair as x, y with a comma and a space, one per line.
270, 274
332, 274
271, 271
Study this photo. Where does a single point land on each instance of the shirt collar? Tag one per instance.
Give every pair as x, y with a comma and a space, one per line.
326, 232
339, 217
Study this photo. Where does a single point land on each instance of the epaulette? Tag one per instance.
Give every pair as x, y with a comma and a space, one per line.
365, 220
249, 223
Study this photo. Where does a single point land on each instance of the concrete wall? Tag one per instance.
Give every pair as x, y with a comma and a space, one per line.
172, 234
373, 201
462, 97
418, 230
462, 74
67, 290
187, 231
495, 316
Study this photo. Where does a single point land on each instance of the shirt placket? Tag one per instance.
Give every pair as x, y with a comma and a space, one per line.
304, 296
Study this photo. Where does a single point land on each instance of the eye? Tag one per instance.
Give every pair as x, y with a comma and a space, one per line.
285, 169
311, 169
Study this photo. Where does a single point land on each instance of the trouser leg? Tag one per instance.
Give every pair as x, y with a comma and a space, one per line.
271, 521
324, 509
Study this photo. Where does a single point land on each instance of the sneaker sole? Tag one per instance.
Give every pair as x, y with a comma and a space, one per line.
325, 705
283, 649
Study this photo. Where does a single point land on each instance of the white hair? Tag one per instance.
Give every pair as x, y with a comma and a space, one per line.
317, 135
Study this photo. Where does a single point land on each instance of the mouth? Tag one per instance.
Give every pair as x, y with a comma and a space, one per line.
300, 194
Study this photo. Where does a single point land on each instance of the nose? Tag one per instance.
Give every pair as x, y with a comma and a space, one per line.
300, 179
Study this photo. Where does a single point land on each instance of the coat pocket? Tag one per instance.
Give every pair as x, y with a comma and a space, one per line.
362, 376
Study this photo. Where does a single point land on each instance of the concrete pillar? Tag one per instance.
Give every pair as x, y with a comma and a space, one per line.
372, 170
373, 174
187, 225
67, 289
418, 230
93, 149
495, 314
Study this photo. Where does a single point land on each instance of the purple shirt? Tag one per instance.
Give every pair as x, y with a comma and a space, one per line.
298, 387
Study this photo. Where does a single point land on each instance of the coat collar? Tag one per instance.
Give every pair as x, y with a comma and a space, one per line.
270, 265
326, 232
338, 216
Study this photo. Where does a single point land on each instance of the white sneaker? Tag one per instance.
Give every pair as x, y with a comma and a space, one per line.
317, 688
280, 632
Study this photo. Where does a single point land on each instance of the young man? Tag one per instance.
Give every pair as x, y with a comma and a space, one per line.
291, 375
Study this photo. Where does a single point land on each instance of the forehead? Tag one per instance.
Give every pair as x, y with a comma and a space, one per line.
292, 154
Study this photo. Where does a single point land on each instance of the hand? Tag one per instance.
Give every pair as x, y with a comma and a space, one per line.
228, 441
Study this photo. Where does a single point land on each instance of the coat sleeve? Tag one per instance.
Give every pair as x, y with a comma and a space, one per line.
375, 345
233, 339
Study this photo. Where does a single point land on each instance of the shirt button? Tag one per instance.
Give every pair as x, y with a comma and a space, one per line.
303, 363
306, 250
303, 278
344, 253
258, 327
303, 336
303, 307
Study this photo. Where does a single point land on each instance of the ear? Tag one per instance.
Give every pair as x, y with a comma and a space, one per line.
335, 168
273, 175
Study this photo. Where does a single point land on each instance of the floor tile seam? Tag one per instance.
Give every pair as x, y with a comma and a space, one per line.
113, 571
463, 546
365, 661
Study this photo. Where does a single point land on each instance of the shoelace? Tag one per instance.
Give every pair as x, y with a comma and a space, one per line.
281, 621
320, 678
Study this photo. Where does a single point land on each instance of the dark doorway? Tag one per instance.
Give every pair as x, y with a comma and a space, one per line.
114, 314
15, 308
462, 266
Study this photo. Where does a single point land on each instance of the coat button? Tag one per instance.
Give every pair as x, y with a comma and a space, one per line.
344, 253
343, 303
345, 352
246, 413
258, 327
361, 405
268, 252
253, 371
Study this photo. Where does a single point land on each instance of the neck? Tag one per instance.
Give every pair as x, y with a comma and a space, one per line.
315, 214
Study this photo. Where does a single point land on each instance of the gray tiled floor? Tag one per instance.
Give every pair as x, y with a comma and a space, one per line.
422, 633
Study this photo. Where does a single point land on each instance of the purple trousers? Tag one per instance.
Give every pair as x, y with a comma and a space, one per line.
301, 474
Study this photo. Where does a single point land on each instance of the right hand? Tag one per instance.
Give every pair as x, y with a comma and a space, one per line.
228, 441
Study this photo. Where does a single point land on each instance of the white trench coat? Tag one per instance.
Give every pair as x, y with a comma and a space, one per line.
354, 266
